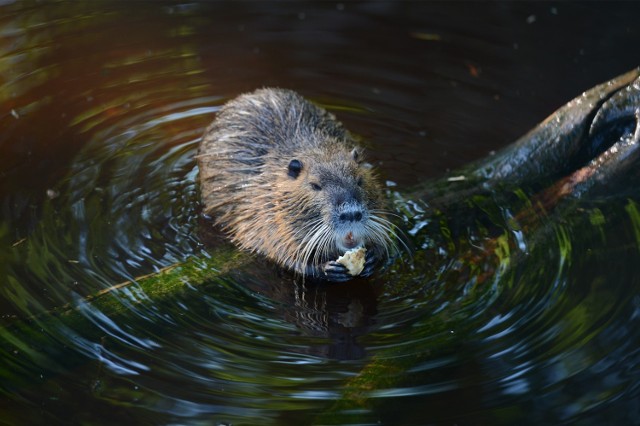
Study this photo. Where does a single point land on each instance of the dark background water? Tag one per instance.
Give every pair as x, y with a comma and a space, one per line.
101, 108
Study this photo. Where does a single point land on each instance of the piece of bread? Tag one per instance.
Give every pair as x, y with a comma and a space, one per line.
353, 260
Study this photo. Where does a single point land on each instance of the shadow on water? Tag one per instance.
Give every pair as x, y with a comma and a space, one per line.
489, 322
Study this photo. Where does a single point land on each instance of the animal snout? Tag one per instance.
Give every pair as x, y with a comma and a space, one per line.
351, 216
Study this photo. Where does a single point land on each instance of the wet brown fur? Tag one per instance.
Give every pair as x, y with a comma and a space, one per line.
245, 186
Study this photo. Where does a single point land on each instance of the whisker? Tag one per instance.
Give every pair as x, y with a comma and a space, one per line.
324, 246
312, 242
380, 235
387, 227
307, 229
310, 231
383, 219
386, 213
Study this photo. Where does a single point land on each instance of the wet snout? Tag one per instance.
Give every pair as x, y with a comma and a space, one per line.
351, 216
349, 226
350, 212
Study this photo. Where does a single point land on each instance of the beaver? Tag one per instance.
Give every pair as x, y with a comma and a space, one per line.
285, 179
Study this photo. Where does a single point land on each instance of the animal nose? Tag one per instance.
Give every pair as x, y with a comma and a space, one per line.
351, 216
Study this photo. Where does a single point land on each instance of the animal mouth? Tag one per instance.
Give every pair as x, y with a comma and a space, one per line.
349, 242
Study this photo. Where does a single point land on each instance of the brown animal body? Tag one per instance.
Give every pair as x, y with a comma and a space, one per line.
284, 179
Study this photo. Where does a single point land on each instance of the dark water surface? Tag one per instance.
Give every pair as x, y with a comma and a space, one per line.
101, 108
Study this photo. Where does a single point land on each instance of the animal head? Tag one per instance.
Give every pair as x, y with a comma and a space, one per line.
334, 201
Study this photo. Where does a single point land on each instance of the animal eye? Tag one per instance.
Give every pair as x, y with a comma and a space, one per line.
355, 154
315, 187
294, 168
359, 181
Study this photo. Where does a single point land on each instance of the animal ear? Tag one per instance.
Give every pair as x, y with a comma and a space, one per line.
294, 168
356, 154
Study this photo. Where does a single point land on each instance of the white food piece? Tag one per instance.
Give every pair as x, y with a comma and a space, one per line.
353, 260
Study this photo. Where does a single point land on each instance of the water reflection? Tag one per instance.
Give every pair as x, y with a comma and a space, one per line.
492, 321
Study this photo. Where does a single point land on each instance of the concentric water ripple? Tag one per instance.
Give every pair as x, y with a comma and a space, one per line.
499, 314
